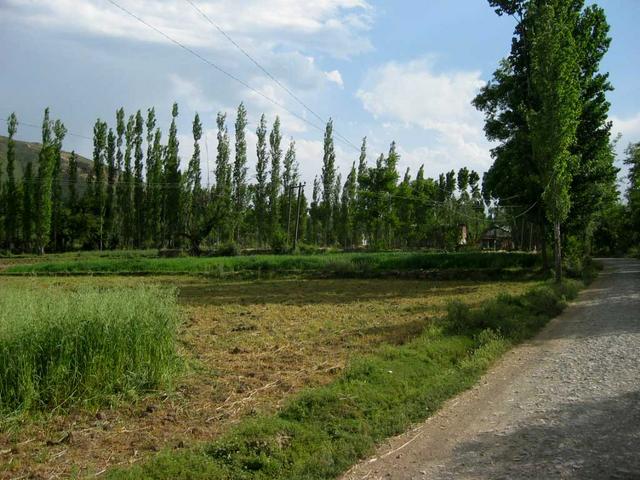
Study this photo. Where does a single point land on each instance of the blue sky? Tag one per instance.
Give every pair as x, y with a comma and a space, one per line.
401, 70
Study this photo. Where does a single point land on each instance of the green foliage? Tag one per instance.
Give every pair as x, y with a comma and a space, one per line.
83, 346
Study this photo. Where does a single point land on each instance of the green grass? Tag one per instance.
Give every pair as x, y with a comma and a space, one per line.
323, 431
84, 346
341, 265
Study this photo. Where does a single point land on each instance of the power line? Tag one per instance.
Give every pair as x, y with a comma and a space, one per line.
265, 71
26, 124
213, 65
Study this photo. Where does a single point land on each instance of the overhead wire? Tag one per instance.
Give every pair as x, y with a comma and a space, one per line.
214, 65
265, 71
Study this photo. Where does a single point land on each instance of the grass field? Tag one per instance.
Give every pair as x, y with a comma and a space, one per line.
249, 347
265, 266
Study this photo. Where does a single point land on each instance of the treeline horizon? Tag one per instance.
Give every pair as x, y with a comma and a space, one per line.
136, 195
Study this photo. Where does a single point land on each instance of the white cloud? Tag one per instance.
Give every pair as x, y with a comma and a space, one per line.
335, 77
416, 95
629, 127
337, 27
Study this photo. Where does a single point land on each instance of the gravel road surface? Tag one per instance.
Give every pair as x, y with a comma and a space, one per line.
565, 405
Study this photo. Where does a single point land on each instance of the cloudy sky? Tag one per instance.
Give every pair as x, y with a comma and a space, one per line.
403, 70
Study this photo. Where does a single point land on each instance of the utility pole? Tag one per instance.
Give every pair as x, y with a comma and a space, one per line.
295, 240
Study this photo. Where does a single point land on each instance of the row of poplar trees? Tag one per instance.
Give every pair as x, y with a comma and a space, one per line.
546, 107
135, 194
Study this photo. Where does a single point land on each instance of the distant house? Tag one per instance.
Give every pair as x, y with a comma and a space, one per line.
464, 235
497, 238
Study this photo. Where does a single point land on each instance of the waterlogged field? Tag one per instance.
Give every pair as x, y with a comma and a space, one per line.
245, 347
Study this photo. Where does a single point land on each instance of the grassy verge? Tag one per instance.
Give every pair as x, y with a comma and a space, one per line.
324, 430
83, 346
340, 265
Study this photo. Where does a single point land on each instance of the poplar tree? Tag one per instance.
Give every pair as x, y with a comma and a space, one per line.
260, 189
195, 208
288, 205
52, 136
151, 201
554, 122
28, 211
172, 180
72, 196
315, 213
125, 200
348, 208
99, 201
11, 188
223, 186
155, 191
138, 192
275, 153
110, 207
360, 214
328, 178
239, 188
121, 192
56, 200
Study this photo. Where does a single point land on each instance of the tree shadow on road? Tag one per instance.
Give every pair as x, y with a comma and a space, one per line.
585, 440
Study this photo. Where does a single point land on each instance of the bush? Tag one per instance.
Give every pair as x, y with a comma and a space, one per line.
83, 346
229, 249
512, 317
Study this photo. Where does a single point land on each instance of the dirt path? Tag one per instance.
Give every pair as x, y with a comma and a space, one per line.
565, 405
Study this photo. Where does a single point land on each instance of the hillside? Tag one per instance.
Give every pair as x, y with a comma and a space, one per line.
28, 152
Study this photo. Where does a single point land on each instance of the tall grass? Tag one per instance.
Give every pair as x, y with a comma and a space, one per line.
62, 348
340, 264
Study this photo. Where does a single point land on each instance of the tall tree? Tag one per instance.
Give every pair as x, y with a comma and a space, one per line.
223, 200
240, 189
328, 178
260, 189
554, 79
509, 97
275, 153
348, 208
151, 200
633, 192
72, 197
112, 175
172, 180
11, 188
195, 198
28, 203
99, 200
138, 189
53, 134
125, 182
289, 182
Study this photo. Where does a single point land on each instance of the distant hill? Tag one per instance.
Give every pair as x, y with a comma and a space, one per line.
28, 152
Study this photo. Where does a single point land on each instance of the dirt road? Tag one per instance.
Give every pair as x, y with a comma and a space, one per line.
565, 405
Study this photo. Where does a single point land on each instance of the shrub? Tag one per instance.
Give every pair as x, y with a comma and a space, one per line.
83, 346
229, 249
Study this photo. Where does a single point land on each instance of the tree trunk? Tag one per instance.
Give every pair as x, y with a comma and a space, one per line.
557, 251
543, 247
